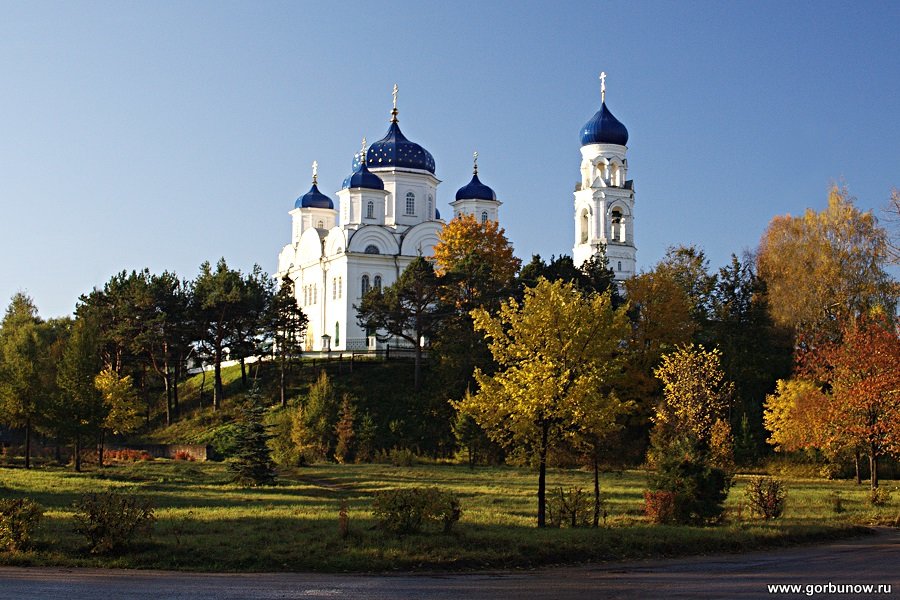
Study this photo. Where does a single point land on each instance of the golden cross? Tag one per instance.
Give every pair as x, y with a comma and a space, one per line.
603, 86
394, 94
315, 172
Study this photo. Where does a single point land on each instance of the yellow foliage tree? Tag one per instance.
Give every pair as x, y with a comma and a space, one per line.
479, 258
556, 351
824, 268
120, 405
795, 415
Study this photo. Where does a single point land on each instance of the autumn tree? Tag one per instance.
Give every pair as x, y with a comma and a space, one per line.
864, 375
795, 415
556, 351
344, 431
120, 413
21, 349
688, 267
823, 269
409, 309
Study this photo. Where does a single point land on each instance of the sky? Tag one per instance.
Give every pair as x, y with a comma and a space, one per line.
164, 134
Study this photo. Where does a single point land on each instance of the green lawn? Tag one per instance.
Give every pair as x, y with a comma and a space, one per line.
205, 523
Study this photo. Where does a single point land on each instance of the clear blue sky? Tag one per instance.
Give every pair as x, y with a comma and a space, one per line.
163, 134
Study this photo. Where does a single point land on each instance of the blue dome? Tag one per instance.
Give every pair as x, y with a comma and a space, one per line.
314, 199
475, 190
437, 214
394, 150
604, 128
362, 177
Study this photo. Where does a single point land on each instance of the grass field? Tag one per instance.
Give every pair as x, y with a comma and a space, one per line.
205, 523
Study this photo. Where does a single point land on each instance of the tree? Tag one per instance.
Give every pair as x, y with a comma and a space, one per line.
692, 444
344, 431
253, 464
21, 348
556, 350
408, 309
119, 405
824, 268
795, 415
478, 261
249, 327
286, 324
864, 374
313, 428
82, 412
697, 395
689, 269
217, 300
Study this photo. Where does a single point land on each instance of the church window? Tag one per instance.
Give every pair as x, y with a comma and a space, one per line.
410, 203
370, 210
430, 211
320, 224
305, 295
484, 217
340, 287
620, 266
337, 333
334, 288
372, 249
315, 294
378, 282
585, 225
365, 285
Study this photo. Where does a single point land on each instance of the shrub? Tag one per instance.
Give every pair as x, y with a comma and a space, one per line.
126, 455
659, 506
880, 496
184, 455
837, 503
568, 507
700, 489
18, 520
110, 520
406, 510
766, 496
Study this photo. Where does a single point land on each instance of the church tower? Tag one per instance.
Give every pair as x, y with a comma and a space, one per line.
604, 198
477, 199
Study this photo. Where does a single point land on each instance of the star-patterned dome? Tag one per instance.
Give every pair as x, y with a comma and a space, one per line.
362, 177
395, 150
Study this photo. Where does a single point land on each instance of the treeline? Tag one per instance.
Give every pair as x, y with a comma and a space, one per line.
76, 379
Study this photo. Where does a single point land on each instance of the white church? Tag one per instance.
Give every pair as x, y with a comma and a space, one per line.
388, 216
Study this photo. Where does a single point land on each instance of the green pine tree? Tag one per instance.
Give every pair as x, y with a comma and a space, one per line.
253, 465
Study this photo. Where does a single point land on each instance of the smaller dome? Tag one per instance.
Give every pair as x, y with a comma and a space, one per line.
475, 190
362, 177
314, 199
604, 128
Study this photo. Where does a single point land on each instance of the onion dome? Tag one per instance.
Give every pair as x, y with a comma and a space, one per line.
362, 177
395, 150
475, 190
604, 128
314, 198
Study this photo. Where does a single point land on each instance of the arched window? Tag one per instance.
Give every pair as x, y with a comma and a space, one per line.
584, 226
340, 287
337, 333
378, 282
430, 211
620, 266
334, 288
366, 286
410, 203
372, 249
320, 224
370, 210
484, 217
617, 230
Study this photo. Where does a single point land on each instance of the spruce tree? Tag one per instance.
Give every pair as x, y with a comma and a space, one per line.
253, 465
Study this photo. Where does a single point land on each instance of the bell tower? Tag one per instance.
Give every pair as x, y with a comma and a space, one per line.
604, 198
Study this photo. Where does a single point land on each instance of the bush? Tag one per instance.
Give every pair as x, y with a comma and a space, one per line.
700, 489
110, 520
568, 507
126, 455
184, 455
18, 520
837, 502
659, 506
880, 496
766, 496
406, 510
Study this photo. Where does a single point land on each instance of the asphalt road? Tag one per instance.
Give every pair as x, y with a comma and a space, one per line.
868, 560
